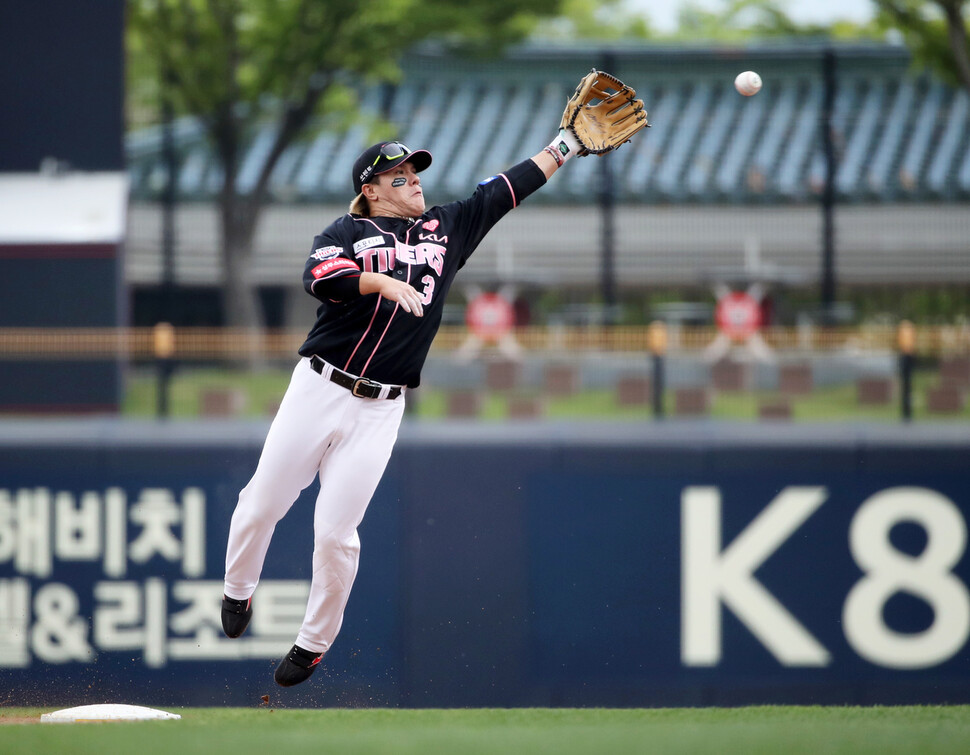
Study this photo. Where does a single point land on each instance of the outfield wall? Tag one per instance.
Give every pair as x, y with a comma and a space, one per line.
502, 565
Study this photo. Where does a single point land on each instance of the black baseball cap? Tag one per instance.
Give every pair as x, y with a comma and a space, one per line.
383, 156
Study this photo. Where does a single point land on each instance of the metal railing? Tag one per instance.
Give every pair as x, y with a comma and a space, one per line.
919, 372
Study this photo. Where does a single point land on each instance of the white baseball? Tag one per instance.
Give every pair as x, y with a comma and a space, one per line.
748, 83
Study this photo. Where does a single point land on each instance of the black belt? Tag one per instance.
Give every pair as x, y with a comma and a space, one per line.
360, 387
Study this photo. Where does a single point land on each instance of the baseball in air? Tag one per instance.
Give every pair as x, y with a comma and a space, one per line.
748, 83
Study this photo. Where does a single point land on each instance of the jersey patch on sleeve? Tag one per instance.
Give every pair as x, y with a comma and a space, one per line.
333, 267
487, 180
326, 252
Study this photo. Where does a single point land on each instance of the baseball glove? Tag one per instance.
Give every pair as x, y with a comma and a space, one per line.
604, 126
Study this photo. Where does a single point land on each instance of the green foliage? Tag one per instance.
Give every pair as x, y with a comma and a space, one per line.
599, 20
226, 56
260, 393
936, 32
734, 21
225, 53
940, 305
478, 26
230, 62
744, 20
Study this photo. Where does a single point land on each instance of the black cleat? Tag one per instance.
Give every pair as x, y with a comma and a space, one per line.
297, 666
236, 615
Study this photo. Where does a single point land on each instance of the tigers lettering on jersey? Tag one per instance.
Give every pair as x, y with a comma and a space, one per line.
383, 259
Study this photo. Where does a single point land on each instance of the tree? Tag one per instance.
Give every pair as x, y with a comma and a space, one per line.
936, 32
232, 62
602, 20
743, 20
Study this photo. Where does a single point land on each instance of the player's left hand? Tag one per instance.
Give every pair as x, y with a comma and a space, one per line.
602, 127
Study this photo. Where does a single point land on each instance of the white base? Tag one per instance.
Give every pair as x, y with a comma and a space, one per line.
107, 712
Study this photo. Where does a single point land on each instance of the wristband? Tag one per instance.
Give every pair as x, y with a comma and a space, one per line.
563, 147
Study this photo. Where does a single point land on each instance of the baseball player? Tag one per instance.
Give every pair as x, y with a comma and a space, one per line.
381, 274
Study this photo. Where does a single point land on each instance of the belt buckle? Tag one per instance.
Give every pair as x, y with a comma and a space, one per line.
359, 382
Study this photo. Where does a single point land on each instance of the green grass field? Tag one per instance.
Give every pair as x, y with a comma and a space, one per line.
261, 391
267, 731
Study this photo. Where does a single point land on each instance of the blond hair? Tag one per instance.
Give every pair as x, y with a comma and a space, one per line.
360, 206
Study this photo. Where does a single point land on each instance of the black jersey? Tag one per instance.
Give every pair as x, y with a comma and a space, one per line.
374, 337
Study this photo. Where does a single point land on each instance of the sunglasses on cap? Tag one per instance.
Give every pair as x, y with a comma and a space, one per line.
392, 151
388, 153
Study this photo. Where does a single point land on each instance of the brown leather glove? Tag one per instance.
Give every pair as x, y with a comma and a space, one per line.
611, 121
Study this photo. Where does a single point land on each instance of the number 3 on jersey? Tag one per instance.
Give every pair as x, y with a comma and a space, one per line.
428, 282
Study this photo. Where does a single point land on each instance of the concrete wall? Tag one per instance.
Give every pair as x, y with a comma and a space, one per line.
655, 245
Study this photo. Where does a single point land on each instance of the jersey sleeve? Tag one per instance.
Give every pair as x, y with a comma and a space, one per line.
330, 260
493, 199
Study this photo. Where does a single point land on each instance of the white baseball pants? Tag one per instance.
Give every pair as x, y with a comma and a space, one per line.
320, 429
